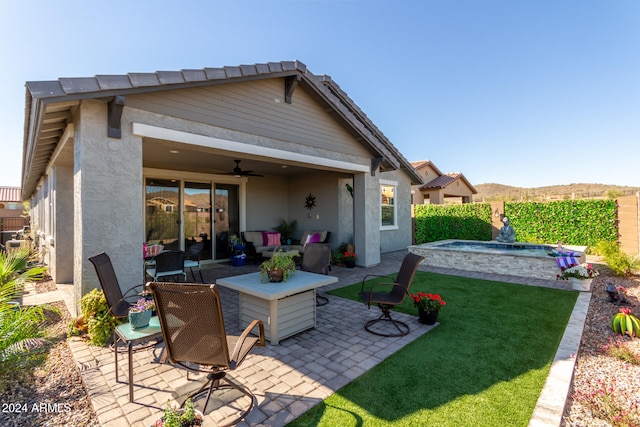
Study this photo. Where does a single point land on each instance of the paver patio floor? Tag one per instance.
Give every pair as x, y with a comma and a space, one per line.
287, 379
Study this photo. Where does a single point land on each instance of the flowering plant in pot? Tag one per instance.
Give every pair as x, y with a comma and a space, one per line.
428, 302
140, 313
349, 256
429, 305
350, 259
581, 271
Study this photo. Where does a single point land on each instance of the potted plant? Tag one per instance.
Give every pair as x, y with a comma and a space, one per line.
96, 320
337, 256
580, 276
350, 259
278, 268
140, 313
286, 230
235, 242
428, 306
186, 416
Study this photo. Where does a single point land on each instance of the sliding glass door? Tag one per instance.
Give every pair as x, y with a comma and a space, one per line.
162, 212
197, 216
227, 217
179, 214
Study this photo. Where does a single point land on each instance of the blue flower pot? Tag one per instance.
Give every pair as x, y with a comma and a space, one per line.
140, 319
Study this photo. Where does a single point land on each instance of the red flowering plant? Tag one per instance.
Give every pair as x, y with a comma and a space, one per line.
349, 256
427, 301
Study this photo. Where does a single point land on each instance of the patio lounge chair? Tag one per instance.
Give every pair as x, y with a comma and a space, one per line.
167, 264
193, 328
394, 296
317, 259
116, 300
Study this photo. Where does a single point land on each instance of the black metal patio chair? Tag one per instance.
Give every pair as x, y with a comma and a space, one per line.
192, 259
117, 301
398, 289
167, 264
317, 259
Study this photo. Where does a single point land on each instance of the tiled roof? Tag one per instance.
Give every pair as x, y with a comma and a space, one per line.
446, 179
121, 83
441, 181
420, 163
60, 95
417, 165
10, 194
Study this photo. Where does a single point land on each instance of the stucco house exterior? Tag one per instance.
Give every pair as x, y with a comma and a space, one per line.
112, 161
438, 186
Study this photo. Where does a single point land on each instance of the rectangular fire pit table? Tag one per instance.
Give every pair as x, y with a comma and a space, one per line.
285, 308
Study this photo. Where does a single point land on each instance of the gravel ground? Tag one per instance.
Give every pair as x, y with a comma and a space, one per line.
54, 395
600, 374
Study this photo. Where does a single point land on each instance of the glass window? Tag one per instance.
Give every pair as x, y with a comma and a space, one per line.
388, 205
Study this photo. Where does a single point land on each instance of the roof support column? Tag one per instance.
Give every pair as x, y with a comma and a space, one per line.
366, 218
109, 200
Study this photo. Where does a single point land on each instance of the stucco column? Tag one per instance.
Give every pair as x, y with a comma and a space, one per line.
108, 190
62, 264
366, 216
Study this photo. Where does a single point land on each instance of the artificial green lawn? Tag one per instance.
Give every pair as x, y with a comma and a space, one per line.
484, 365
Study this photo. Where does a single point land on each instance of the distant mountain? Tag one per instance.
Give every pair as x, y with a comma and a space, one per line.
493, 192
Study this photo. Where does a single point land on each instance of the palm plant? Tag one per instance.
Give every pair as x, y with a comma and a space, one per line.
19, 326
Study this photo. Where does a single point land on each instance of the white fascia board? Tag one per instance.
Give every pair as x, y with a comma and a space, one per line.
144, 130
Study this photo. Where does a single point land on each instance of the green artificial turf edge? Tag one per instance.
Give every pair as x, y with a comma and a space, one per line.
483, 365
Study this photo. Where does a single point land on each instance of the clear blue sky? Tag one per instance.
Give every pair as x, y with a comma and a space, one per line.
524, 93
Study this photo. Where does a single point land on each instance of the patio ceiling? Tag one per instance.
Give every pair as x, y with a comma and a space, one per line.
162, 154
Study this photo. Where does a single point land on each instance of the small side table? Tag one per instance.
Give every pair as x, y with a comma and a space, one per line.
130, 336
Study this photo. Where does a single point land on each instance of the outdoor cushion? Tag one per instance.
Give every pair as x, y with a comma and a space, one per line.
566, 261
307, 233
254, 237
273, 239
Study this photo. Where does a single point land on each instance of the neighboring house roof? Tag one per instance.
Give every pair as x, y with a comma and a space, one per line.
48, 107
10, 194
422, 163
445, 180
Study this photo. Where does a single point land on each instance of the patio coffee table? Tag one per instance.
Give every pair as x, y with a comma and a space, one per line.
269, 254
285, 308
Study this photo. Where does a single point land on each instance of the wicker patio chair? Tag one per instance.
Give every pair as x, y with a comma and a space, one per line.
317, 259
193, 328
394, 296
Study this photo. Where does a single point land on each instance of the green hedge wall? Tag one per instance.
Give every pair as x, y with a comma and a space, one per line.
574, 222
468, 221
